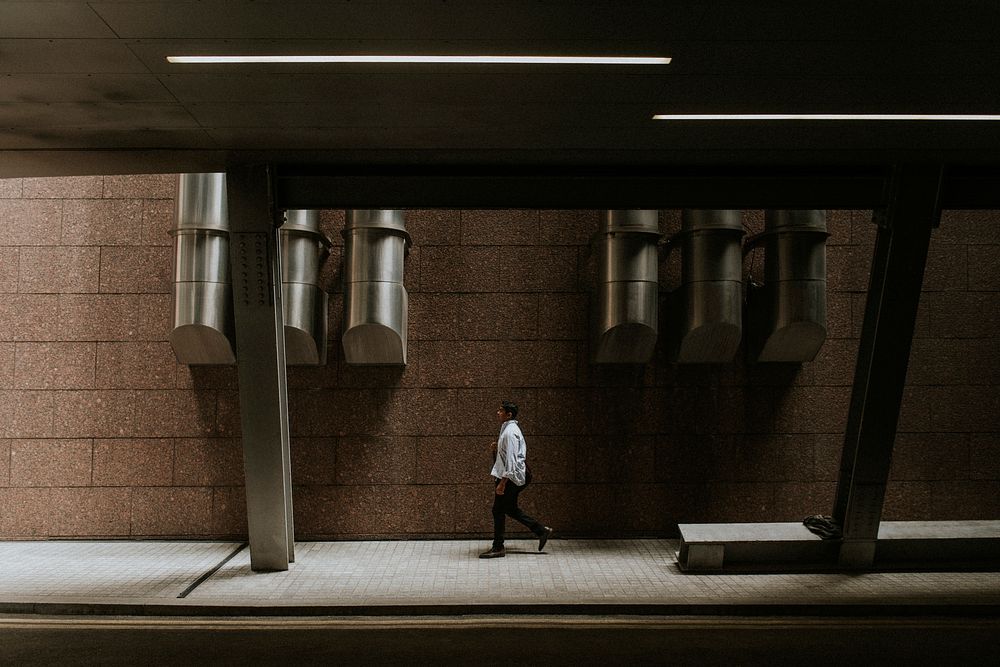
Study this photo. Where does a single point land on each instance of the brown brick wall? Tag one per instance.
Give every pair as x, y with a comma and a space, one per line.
947, 456
102, 433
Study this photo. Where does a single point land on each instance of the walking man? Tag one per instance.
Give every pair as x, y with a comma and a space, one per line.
510, 476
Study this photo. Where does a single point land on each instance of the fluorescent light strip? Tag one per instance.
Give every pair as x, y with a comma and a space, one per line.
488, 60
826, 116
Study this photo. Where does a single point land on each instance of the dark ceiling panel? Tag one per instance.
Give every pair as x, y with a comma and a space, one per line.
104, 56
62, 162
704, 94
51, 20
401, 19
545, 20
881, 60
82, 88
16, 115
377, 113
839, 143
730, 56
465, 87
99, 139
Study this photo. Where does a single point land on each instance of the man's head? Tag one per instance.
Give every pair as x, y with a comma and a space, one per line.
507, 410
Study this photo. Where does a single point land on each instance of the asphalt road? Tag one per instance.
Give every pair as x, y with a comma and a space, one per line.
497, 640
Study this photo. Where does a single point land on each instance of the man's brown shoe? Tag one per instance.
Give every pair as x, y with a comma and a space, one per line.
493, 553
544, 537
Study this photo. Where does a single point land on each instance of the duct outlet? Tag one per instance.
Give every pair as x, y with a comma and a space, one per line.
788, 314
203, 306
710, 299
627, 290
304, 304
375, 301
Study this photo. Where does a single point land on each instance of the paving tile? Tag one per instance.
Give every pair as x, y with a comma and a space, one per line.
106, 570
624, 571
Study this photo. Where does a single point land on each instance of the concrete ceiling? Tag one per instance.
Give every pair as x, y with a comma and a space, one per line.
85, 87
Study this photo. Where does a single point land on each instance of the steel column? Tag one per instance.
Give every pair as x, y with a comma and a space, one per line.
260, 360
890, 314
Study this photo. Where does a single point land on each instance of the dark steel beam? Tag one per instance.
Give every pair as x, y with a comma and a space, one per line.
562, 187
260, 361
971, 188
890, 314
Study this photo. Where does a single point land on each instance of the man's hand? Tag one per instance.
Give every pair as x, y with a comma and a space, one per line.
501, 486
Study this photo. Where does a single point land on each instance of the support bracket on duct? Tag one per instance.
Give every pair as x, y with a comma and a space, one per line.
787, 315
203, 302
375, 301
707, 322
303, 301
628, 290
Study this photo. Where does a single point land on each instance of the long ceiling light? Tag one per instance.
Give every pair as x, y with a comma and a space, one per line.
826, 116
478, 60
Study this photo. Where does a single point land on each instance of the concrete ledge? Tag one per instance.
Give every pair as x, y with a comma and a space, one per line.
791, 547
924, 543
707, 547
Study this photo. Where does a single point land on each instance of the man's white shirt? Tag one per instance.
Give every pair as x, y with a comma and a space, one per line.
511, 453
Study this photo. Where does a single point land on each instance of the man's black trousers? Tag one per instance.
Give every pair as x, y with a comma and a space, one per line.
506, 505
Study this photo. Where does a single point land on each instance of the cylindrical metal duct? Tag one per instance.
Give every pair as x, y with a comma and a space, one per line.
790, 309
627, 290
303, 302
375, 303
711, 292
203, 306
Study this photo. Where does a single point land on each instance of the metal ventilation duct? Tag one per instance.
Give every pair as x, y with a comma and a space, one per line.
375, 303
203, 305
627, 291
711, 291
789, 311
303, 302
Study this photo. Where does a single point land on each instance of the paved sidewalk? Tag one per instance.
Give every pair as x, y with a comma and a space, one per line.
623, 575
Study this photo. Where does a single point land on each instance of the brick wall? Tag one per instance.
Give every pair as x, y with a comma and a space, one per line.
102, 433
